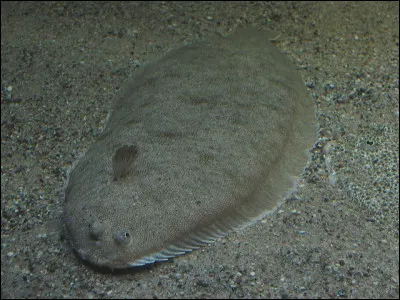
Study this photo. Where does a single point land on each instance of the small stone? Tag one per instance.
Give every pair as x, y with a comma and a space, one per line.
177, 276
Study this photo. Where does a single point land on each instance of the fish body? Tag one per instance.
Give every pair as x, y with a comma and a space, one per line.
206, 139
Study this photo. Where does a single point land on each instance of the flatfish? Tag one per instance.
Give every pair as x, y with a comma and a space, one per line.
205, 140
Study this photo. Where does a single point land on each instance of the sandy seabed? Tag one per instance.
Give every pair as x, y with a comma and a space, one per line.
337, 236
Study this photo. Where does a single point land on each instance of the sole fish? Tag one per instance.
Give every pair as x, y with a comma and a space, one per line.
207, 139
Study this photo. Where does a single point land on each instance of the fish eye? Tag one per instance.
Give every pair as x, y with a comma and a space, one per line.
96, 230
122, 237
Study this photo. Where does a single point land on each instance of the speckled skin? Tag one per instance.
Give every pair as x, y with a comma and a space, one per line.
220, 130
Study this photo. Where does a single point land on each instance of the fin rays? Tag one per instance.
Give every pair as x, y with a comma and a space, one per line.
194, 241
